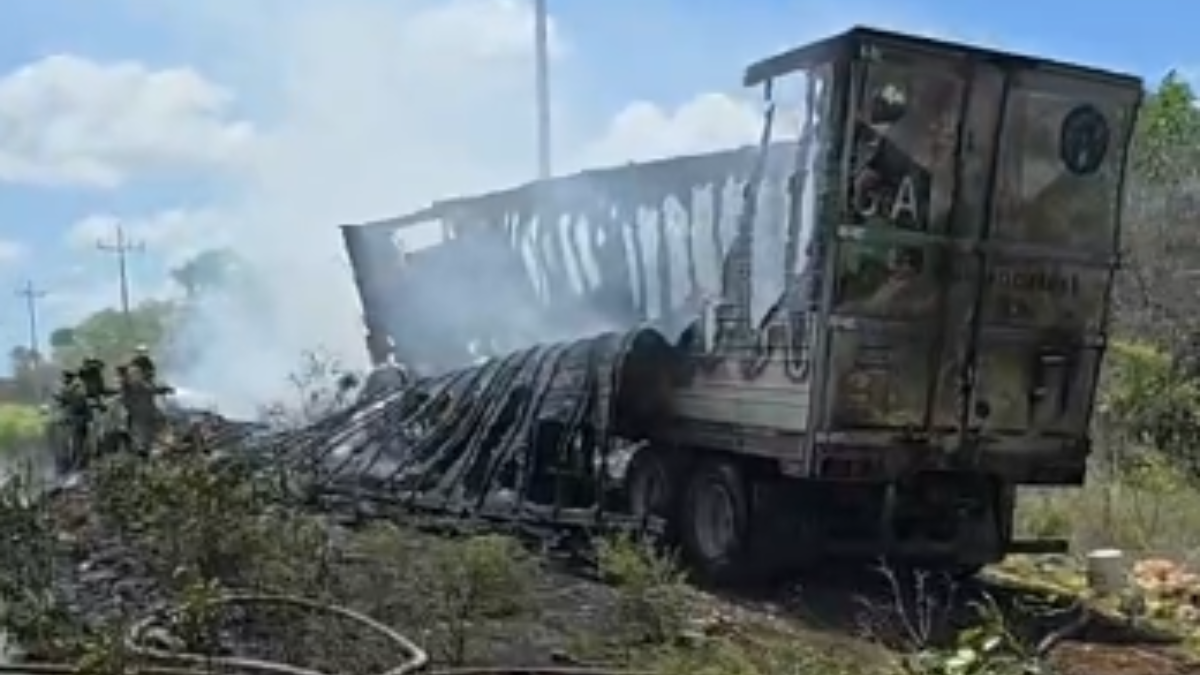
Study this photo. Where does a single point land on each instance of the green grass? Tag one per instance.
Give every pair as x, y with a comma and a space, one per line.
20, 425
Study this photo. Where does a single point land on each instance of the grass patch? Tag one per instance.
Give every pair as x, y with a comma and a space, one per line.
20, 427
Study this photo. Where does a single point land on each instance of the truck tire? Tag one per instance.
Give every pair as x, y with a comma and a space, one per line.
649, 485
966, 572
714, 522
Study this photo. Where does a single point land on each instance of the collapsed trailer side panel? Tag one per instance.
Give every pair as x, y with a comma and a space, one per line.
375, 261
602, 250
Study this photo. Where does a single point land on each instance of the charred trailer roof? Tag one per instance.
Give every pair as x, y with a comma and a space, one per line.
598, 267
865, 43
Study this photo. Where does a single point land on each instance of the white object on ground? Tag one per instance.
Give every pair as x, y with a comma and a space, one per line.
190, 399
1107, 571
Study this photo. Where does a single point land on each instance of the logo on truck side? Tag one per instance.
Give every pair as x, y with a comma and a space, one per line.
1083, 140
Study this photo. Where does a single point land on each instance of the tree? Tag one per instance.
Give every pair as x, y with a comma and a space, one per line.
21, 359
62, 338
111, 337
1164, 150
31, 375
1155, 297
1152, 388
208, 270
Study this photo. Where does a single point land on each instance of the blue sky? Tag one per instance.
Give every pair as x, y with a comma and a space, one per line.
279, 63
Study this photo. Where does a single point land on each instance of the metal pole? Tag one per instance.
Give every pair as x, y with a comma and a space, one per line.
541, 37
121, 248
32, 294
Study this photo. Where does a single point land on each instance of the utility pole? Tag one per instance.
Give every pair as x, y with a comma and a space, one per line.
542, 65
122, 247
32, 294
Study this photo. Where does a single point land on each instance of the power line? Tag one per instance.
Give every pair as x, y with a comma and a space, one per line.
122, 247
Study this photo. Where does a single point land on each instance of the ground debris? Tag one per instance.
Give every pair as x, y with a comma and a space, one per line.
565, 618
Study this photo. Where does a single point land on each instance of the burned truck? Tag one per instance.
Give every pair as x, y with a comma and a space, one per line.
857, 338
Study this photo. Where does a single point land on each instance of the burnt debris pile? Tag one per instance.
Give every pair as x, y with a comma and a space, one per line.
536, 437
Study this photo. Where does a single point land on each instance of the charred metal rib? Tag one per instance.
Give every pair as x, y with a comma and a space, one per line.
525, 438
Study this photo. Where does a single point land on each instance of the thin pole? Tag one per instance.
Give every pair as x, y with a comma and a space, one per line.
32, 295
122, 247
541, 38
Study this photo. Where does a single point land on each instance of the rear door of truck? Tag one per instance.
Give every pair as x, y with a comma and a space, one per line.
972, 267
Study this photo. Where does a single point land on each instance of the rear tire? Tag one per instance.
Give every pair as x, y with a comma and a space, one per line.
649, 485
966, 572
714, 522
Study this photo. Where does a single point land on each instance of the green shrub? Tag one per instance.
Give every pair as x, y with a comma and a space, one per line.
1142, 493
20, 426
1147, 403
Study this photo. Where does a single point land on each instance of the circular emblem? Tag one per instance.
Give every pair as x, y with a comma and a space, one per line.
1083, 140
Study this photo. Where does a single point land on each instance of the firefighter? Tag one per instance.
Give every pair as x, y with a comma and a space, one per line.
124, 387
91, 375
143, 416
143, 362
75, 416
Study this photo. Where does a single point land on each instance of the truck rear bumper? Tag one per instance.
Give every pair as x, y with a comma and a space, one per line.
1042, 461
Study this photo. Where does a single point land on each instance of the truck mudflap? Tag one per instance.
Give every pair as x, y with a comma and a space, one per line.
968, 284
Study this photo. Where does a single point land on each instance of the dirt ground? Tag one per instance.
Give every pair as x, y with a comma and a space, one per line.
1078, 658
826, 614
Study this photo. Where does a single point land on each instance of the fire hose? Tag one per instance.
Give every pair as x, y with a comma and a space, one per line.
157, 661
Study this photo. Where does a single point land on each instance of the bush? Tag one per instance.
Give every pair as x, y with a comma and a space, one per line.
33, 610
1143, 489
1151, 507
1142, 494
20, 427
473, 581
196, 520
652, 599
1147, 403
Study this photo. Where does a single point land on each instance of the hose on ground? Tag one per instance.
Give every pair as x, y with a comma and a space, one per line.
156, 661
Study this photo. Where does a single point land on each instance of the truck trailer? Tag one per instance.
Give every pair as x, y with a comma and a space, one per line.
879, 321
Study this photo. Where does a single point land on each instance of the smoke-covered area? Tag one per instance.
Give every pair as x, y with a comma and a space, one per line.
336, 158
229, 344
369, 109
605, 250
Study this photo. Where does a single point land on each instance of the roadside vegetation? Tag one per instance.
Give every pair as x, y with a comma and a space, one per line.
84, 577
20, 428
1143, 492
247, 579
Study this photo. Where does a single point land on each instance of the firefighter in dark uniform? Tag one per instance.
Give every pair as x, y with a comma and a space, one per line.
144, 363
74, 418
138, 394
97, 393
91, 375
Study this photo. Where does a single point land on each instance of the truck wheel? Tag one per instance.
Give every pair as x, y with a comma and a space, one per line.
965, 572
715, 522
649, 485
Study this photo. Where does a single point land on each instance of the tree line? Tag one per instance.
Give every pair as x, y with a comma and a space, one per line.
110, 335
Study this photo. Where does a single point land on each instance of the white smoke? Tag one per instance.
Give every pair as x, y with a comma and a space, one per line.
385, 107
